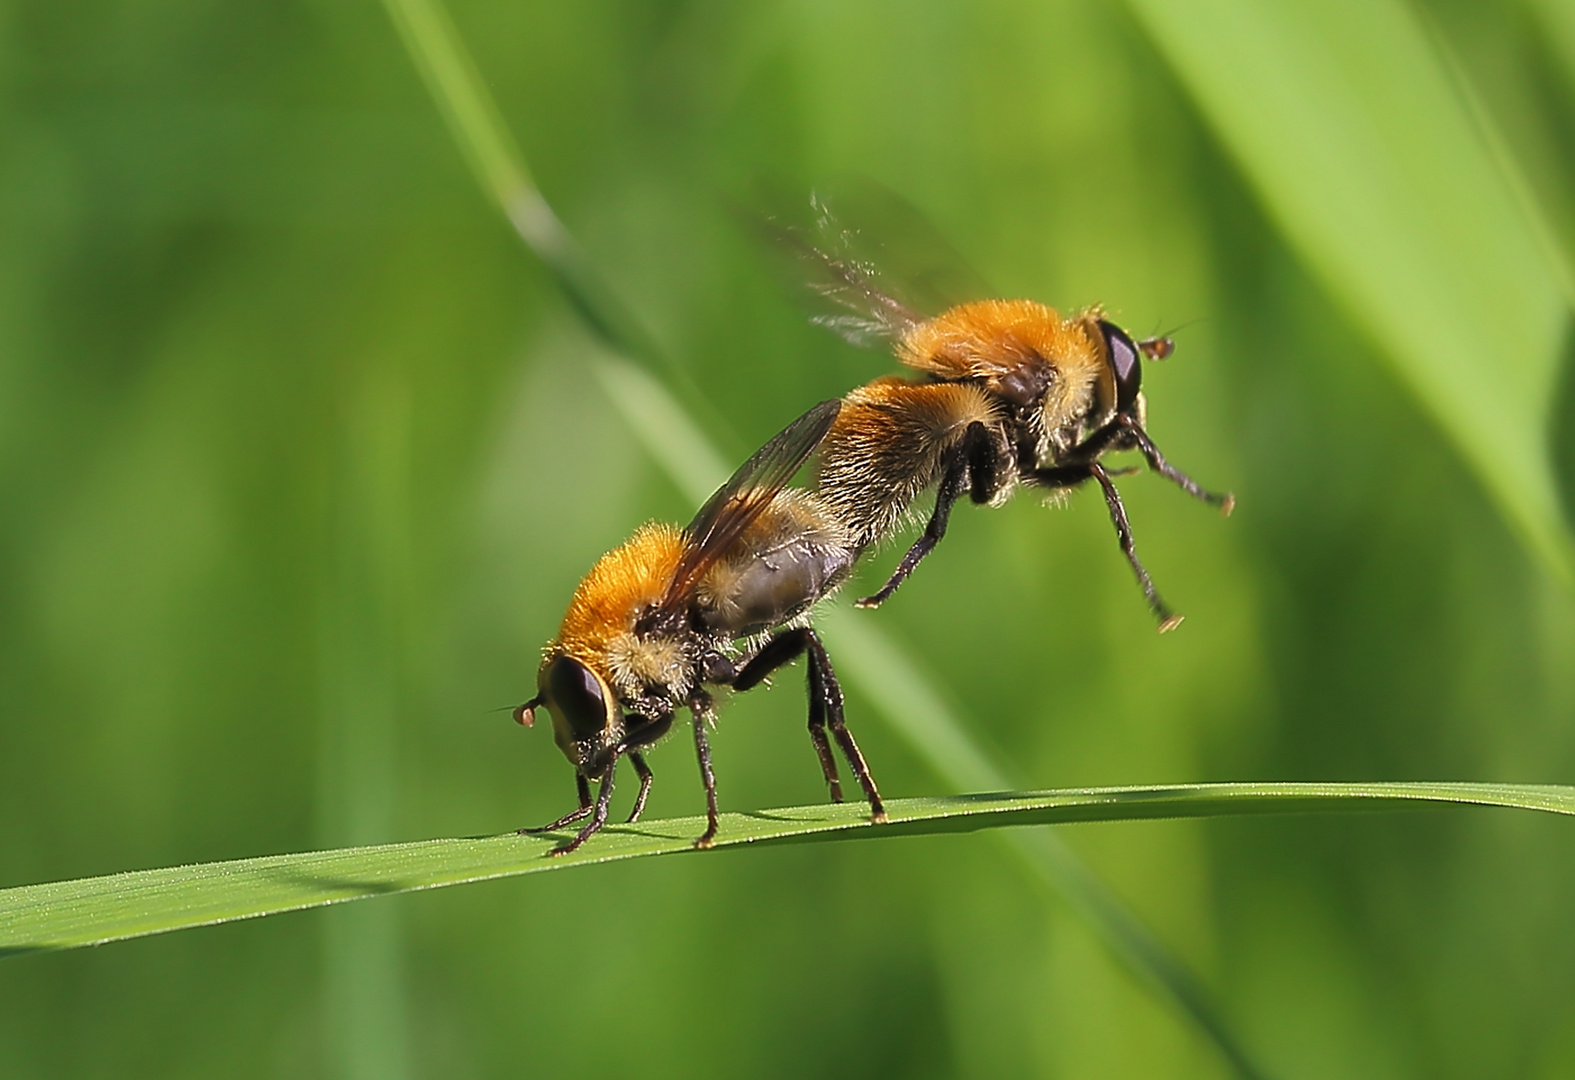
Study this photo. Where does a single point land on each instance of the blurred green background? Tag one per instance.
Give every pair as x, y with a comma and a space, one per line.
301, 455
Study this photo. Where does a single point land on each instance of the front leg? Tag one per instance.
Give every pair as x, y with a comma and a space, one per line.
1069, 476
1157, 462
572, 816
977, 463
599, 815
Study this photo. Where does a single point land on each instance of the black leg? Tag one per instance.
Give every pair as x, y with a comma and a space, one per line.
972, 463
1157, 462
817, 728
700, 708
784, 649
599, 816
644, 772
832, 698
934, 531
1061, 476
1099, 442
569, 818
1168, 620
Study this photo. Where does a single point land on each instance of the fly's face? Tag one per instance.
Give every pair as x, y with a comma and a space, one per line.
585, 713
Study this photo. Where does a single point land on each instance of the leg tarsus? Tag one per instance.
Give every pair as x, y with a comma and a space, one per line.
598, 817
570, 818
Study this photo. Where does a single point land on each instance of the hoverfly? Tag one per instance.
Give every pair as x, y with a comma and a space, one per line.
1011, 393
657, 620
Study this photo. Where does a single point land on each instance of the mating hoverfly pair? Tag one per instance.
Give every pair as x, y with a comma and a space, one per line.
1010, 394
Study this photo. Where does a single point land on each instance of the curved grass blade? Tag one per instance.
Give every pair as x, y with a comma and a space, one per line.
93, 911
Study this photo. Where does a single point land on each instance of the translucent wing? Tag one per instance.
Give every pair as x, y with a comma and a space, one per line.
873, 309
737, 503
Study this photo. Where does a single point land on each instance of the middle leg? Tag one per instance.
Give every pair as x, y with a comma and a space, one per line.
643, 771
975, 463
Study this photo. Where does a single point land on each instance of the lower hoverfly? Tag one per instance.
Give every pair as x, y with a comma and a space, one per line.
657, 621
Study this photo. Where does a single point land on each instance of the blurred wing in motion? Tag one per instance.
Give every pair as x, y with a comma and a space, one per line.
737, 503
882, 277
873, 309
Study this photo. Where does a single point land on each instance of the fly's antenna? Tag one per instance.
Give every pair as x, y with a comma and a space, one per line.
1160, 346
525, 714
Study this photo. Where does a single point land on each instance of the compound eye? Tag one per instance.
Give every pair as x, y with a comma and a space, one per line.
575, 693
1124, 365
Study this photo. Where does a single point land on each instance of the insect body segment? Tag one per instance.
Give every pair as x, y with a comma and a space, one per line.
658, 619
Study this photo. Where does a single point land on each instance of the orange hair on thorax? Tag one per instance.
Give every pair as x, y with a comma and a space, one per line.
989, 337
622, 583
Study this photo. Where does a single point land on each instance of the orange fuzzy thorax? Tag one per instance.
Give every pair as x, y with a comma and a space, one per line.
621, 584
988, 337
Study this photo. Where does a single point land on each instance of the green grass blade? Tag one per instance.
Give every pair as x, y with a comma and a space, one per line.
1345, 121
92, 911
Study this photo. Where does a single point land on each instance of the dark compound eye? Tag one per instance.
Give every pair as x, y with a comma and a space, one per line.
576, 694
1124, 365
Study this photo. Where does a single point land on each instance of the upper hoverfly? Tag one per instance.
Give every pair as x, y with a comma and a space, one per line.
1011, 393
655, 621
